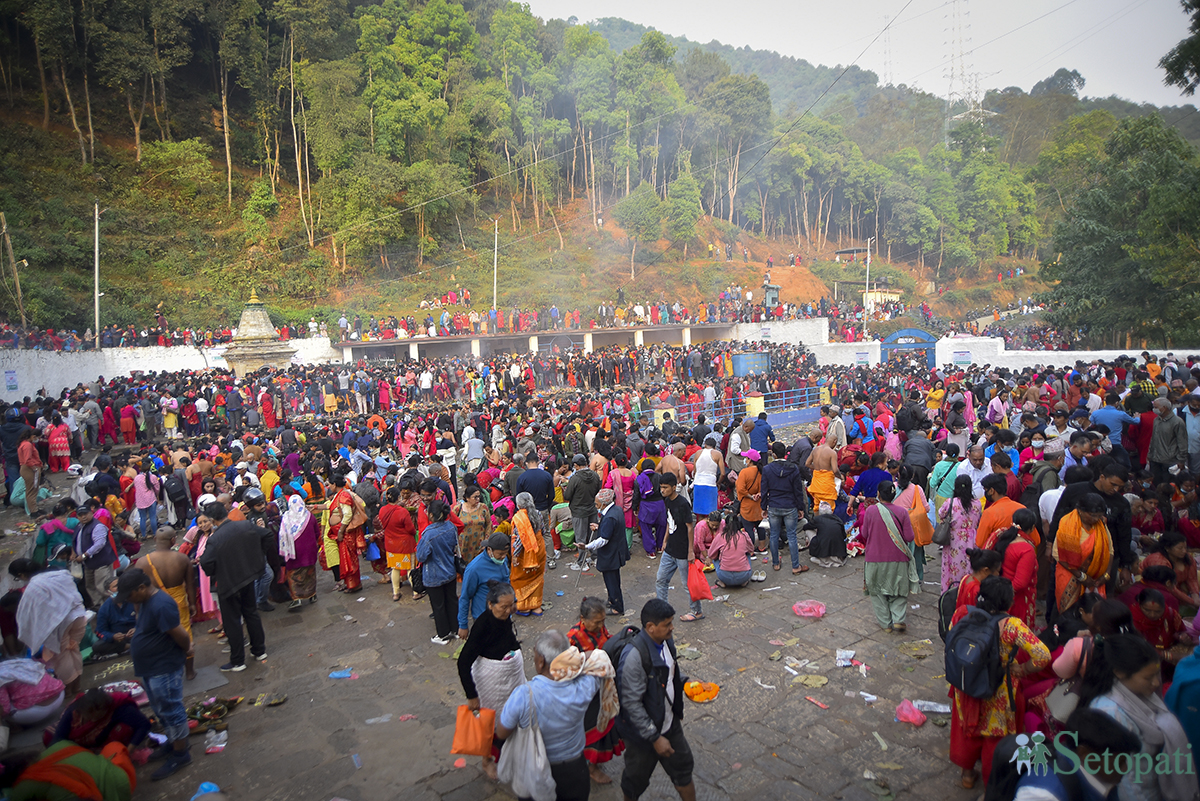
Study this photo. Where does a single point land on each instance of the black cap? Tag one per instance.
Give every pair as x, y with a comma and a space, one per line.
580, 459
129, 581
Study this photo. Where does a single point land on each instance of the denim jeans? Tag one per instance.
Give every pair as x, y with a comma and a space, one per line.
149, 520
262, 585
165, 692
784, 520
666, 569
738, 578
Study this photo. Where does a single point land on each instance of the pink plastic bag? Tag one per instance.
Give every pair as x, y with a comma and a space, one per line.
809, 609
907, 713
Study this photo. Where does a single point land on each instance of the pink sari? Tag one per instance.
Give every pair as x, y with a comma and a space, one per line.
209, 606
623, 490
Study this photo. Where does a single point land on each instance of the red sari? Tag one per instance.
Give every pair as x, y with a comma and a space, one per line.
268, 412
351, 543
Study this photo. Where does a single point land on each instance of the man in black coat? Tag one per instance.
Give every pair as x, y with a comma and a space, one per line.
611, 548
235, 558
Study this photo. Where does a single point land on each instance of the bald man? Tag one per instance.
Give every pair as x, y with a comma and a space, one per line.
172, 572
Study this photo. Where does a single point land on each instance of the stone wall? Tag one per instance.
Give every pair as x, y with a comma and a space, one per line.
31, 370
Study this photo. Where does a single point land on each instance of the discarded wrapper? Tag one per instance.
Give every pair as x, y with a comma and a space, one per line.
815, 701
845, 658
932, 706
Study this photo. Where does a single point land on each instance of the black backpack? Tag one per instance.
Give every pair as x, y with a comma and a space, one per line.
947, 604
904, 419
974, 663
614, 646
175, 489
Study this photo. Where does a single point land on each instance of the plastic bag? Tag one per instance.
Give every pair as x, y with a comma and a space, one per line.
809, 609
907, 713
215, 741
473, 732
697, 582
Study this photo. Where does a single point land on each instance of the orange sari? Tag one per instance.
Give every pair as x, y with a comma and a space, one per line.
528, 572
1079, 549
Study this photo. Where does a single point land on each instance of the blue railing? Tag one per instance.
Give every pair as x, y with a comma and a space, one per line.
784, 400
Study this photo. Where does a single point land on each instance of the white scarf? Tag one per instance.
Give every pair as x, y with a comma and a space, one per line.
1160, 732
294, 520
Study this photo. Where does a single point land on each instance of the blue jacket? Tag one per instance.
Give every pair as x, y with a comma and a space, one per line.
113, 619
762, 436
435, 552
782, 487
479, 571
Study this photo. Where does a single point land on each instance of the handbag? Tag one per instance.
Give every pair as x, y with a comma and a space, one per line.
1063, 698
941, 534
473, 732
523, 761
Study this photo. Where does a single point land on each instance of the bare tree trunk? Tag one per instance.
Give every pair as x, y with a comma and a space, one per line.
557, 230
296, 135
592, 191
37, 50
71, 107
733, 179
225, 132
87, 102
136, 119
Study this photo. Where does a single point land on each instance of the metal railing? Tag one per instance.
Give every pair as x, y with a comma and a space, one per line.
773, 402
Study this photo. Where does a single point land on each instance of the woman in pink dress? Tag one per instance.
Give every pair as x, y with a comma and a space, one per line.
195, 541
620, 480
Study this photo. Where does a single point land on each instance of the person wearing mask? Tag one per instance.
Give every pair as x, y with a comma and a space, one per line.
558, 697
785, 500
235, 557
159, 649
490, 565
998, 511
650, 720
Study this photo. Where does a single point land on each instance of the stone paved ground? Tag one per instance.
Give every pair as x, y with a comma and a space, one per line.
750, 742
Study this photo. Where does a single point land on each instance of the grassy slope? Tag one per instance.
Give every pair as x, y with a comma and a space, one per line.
172, 242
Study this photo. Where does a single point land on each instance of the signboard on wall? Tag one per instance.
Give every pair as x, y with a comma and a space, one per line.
766, 332
862, 359
10, 380
962, 358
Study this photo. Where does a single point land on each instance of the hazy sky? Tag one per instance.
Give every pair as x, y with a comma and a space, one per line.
1115, 44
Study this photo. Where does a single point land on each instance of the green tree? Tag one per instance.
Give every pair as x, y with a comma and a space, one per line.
1182, 62
682, 209
1129, 261
640, 214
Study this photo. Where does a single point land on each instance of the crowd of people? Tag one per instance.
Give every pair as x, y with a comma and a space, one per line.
1063, 501
1033, 336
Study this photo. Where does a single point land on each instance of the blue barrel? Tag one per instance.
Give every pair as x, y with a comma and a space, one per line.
746, 363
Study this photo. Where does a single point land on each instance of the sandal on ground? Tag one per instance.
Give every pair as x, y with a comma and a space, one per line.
417, 596
967, 780
690, 617
899, 628
776, 567
802, 569
720, 584
395, 597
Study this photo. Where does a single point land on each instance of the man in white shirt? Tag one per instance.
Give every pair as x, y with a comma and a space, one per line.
975, 466
426, 385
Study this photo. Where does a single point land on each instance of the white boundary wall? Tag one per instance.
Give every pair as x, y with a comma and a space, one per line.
33, 369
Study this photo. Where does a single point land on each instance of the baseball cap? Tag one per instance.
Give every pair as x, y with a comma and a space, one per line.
130, 581
752, 454
498, 542
579, 459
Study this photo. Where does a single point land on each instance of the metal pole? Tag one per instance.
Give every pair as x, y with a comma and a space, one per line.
96, 278
495, 256
867, 299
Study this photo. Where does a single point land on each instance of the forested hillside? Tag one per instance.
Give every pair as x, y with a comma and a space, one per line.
321, 150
